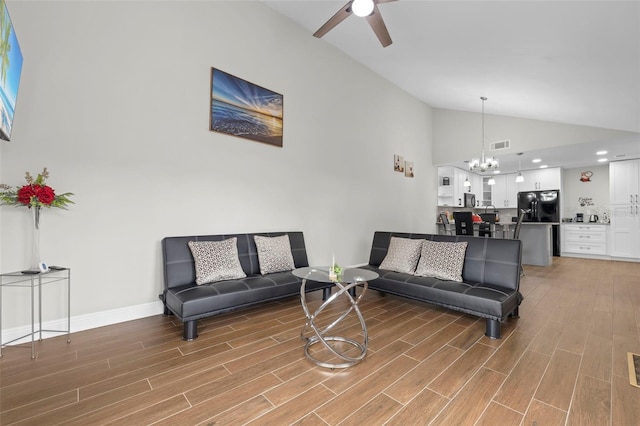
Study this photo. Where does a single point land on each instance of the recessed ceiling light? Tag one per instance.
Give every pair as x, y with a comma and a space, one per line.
496, 172
544, 166
601, 152
536, 160
602, 160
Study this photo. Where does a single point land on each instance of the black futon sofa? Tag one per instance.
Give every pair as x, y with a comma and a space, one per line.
191, 302
491, 278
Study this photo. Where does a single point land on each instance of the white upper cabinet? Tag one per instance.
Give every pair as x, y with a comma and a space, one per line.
623, 179
445, 186
505, 192
451, 187
541, 179
476, 187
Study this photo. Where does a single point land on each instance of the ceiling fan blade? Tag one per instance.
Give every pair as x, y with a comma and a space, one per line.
383, 1
378, 26
340, 16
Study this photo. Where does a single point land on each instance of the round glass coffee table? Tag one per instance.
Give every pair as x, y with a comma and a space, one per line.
312, 333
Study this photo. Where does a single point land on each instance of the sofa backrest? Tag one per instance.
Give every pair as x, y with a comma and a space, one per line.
179, 266
491, 261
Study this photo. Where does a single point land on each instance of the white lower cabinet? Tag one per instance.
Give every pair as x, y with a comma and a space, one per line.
589, 239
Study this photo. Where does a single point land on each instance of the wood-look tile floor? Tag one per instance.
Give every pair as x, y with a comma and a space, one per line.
562, 363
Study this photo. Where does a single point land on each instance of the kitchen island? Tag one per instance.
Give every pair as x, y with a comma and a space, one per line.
537, 243
536, 237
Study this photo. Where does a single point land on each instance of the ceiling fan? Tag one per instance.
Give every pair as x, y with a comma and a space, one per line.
362, 8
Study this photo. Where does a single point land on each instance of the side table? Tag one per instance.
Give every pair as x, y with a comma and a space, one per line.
35, 282
346, 283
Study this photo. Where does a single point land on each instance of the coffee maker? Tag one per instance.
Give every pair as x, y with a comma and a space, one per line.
579, 217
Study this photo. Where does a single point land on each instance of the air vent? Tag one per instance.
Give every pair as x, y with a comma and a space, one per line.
498, 146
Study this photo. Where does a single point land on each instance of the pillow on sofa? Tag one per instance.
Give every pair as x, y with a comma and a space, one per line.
402, 255
274, 254
216, 260
442, 260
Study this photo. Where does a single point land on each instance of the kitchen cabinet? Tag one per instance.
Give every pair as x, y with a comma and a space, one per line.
584, 239
541, 179
487, 192
625, 174
445, 186
476, 187
505, 192
624, 190
452, 195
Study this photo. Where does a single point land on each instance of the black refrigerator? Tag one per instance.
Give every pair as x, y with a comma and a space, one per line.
543, 206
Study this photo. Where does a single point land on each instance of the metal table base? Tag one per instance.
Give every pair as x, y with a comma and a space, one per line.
311, 334
36, 282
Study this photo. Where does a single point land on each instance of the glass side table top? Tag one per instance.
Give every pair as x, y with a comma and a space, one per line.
321, 274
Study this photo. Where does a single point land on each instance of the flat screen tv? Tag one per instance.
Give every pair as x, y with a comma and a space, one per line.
10, 69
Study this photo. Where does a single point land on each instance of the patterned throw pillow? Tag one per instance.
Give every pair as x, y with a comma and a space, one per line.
274, 254
442, 260
216, 260
402, 256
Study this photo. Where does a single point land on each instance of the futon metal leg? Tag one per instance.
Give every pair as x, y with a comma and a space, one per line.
190, 330
493, 329
515, 313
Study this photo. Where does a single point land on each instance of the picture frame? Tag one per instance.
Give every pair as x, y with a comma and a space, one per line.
243, 109
398, 163
408, 169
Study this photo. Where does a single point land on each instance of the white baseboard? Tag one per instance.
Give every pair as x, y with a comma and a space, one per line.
84, 322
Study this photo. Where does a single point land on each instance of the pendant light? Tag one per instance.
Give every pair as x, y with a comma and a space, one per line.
519, 178
466, 182
483, 163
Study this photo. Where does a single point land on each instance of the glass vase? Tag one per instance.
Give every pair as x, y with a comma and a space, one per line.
35, 249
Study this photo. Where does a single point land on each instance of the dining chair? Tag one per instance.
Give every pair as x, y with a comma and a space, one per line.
486, 227
445, 223
464, 223
516, 231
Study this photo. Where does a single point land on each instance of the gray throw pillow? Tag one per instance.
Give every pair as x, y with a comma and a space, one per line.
442, 260
216, 260
274, 254
402, 255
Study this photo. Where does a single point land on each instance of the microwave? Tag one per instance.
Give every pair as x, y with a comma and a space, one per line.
469, 200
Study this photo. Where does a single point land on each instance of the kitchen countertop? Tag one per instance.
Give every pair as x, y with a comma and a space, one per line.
586, 223
509, 224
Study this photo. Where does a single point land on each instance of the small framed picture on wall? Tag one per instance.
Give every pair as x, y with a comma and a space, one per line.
408, 168
398, 163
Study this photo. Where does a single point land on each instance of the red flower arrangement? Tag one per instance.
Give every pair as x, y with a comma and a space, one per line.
35, 193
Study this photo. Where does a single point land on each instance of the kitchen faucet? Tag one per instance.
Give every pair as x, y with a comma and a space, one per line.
490, 205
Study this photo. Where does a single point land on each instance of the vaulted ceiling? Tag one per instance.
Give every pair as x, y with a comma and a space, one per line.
574, 62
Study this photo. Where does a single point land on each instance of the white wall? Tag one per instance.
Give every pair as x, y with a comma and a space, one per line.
576, 191
114, 101
457, 133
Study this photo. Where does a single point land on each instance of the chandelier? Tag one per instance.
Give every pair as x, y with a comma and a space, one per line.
483, 163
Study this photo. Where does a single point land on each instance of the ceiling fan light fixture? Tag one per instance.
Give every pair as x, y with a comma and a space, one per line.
362, 8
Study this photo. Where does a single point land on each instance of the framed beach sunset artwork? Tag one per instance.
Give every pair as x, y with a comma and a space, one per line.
243, 109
